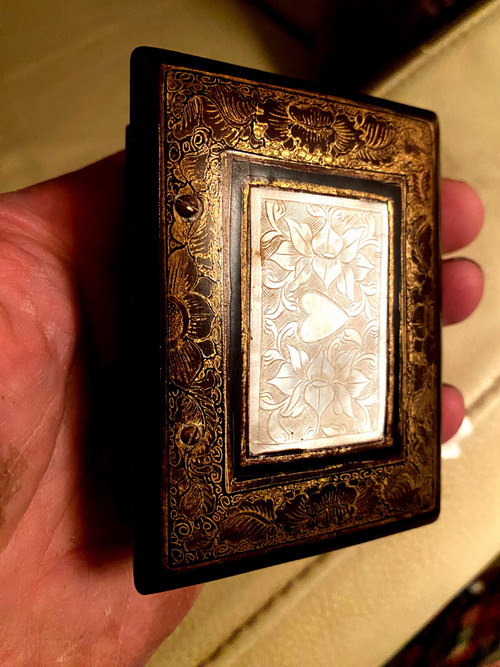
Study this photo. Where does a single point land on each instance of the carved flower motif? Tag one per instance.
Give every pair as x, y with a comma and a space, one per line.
316, 392
312, 127
327, 246
189, 319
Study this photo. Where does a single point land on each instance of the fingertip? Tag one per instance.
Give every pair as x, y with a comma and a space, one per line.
462, 289
452, 411
462, 214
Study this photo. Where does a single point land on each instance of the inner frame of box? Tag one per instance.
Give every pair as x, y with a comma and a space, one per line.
315, 275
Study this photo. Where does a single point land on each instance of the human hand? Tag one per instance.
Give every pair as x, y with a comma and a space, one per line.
66, 588
67, 594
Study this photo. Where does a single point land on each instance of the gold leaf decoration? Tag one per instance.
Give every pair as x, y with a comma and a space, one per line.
190, 119
377, 139
324, 508
253, 523
198, 500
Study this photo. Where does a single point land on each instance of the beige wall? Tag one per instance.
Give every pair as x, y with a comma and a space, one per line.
64, 70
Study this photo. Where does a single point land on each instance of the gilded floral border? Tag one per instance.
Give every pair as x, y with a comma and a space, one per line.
206, 115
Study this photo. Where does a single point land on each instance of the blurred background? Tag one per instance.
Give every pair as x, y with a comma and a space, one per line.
64, 91
64, 65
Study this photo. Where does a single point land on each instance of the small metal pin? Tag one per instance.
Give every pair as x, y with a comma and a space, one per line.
190, 435
188, 206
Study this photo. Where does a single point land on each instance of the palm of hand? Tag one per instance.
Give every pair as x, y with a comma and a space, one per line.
65, 572
65, 575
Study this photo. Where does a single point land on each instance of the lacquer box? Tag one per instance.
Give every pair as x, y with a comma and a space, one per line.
285, 348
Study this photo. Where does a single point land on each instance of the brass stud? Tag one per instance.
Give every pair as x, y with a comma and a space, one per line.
190, 434
188, 207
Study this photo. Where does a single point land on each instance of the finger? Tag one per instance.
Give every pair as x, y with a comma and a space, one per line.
462, 214
462, 288
452, 411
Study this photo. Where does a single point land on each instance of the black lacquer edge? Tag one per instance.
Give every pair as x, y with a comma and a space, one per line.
147, 382
437, 315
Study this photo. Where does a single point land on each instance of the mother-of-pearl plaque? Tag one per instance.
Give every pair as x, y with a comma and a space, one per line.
318, 320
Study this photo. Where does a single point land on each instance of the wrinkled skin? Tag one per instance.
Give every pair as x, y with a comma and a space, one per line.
66, 590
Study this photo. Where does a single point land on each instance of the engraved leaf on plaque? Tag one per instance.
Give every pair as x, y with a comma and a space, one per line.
317, 372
